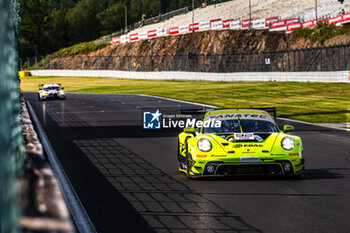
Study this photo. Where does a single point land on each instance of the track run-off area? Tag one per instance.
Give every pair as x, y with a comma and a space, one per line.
127, 178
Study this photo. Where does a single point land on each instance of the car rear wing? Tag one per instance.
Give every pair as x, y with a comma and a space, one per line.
272, 111
195, 110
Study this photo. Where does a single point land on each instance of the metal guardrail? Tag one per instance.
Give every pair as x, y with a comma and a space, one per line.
163, 16
333, 58
11, 148
154, 19
80, 217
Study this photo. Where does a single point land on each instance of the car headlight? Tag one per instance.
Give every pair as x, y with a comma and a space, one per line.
204, 145
288, 143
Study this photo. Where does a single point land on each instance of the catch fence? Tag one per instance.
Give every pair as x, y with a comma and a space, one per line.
155, 19
333, 58
11, 140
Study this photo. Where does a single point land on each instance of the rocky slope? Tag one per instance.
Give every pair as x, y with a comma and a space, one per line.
207, 42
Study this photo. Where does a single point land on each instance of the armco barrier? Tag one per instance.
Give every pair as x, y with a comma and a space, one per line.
174, 31
204, 25
341, 76
184, 29
335, 20
226, 23
279, 26
116, 40
235, 25
245, 23
293, 20
133, 37
268, 21
293, 26
162, 32
345, 18
143, 35
308, 24
194, 27
217, 24
213, 21
152, 33
259, 24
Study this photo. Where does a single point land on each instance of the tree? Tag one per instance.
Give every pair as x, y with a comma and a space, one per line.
48, 25
135, 11
83, 22
57, 32
155, 8
112, 18
32, 27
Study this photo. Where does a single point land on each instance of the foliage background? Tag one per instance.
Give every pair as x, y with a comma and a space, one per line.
48, 25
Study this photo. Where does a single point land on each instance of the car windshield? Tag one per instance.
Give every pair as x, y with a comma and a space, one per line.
247, 126
51, 89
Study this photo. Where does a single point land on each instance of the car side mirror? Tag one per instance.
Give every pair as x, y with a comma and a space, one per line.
288, 128
190, 130
62, 88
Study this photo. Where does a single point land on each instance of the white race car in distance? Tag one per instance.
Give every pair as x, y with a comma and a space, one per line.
51, 91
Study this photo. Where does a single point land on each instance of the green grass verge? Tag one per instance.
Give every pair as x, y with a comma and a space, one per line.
312, 102
321, 32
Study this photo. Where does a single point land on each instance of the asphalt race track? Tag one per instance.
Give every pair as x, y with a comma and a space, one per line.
127, 177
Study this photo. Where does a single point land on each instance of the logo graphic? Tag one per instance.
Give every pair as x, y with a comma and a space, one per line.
152, 120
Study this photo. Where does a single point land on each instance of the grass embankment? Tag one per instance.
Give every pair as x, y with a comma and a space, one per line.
322, 32
82, 48
313, 102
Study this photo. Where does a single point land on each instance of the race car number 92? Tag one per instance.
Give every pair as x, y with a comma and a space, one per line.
244, 136
249, 160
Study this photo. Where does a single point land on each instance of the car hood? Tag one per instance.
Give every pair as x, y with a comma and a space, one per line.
247, 147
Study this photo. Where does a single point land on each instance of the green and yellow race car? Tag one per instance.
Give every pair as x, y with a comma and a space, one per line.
241, 142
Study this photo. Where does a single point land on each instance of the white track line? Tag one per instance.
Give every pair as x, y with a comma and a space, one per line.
180, 101
80, 217
308, 123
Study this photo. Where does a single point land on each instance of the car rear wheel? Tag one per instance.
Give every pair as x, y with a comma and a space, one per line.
188, 169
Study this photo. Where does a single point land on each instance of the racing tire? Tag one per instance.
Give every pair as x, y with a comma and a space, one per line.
187, 163
39, 99
178, 157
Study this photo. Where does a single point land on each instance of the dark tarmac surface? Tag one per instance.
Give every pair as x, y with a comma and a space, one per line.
127, 178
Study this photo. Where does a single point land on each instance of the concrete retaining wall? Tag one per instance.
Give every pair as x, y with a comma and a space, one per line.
339, 76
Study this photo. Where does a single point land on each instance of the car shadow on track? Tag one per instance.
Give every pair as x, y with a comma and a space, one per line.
167, 205
310, 174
